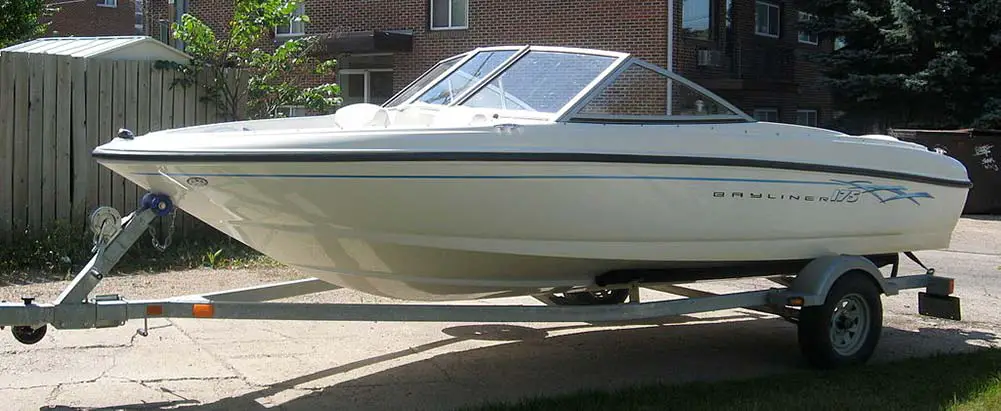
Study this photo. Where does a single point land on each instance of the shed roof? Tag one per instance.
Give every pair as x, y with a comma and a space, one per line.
109, 47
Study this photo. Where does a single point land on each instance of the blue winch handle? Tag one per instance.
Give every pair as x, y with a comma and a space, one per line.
159, 203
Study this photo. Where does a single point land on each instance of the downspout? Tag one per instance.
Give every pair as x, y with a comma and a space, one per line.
670, 54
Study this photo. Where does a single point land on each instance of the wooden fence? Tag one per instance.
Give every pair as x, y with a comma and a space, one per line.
54, 110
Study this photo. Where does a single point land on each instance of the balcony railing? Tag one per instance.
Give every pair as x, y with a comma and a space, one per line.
762, 63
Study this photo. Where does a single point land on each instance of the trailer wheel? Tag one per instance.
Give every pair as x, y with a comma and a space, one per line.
28, 335
600, 297
844, 330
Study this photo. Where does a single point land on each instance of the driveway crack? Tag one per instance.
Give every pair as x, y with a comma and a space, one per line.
236, 373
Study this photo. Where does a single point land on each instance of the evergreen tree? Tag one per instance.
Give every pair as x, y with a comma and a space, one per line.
913, 63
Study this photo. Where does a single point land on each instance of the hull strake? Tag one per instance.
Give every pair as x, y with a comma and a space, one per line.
467, 230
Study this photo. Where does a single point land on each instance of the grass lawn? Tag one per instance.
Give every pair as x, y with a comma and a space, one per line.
947, 382
60, 253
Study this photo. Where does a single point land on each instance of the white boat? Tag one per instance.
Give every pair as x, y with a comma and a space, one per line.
510, 171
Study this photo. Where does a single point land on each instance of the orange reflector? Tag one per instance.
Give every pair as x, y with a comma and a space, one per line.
202, 310
154, 310
796, 301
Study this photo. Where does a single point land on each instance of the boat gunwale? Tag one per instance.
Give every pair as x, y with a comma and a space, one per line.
357, 156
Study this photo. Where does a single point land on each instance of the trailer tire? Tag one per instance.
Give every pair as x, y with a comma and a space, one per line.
28, 335
845, 330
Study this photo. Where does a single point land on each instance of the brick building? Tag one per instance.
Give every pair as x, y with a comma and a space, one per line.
85, 18
748, 51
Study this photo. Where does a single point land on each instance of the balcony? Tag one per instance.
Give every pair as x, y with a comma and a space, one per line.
749, 68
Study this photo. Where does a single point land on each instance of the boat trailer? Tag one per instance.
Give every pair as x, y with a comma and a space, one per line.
835, 300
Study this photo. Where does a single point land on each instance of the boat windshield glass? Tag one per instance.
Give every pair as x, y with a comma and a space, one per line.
467, 75
425, 80
541, 81
641, 92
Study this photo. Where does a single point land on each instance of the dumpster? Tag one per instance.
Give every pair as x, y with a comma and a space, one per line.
979, 150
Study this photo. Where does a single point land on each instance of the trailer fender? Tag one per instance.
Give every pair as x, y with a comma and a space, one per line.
816, 279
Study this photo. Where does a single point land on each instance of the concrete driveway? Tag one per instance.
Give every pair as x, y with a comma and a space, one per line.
225, 364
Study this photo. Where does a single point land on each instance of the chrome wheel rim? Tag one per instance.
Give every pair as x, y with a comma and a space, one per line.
849, 324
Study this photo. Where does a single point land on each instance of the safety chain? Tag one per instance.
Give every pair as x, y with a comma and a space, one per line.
170, 233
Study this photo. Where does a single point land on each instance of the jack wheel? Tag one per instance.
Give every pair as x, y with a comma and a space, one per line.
28, 335
844, 330
600, 297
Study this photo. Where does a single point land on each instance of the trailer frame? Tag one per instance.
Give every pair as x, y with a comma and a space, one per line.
813, 296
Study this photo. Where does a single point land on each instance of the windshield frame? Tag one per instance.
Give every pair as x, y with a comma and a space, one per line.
573, 113
619, 59
465, 57
571, 110
461, 58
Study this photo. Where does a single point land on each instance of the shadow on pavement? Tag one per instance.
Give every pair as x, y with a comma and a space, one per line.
983, 217
530, 362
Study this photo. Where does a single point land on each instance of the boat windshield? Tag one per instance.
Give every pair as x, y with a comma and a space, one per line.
541, 81
425, 80
467, 75
565, 84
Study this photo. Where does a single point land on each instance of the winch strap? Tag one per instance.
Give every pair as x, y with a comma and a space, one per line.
916, 260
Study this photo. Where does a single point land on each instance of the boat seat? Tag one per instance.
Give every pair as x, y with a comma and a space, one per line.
361, 116
459, 116
412, 117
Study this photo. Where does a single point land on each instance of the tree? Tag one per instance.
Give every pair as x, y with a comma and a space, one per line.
21, 20
276, 77
913, 63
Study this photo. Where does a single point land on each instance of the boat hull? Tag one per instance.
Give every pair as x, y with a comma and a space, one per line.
428, 230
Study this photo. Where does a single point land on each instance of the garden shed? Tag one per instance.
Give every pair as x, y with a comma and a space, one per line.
127, 48
60, 98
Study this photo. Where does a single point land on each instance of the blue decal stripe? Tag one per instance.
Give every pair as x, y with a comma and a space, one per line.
497, 177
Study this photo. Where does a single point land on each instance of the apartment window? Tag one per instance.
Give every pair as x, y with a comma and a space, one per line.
806, 117
295, 26
767, 19
449, 14
696, 18
140, 23
107, 3
808, 37
373, 86
766, 114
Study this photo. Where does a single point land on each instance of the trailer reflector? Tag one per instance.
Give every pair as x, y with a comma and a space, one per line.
154, 310
202, 310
